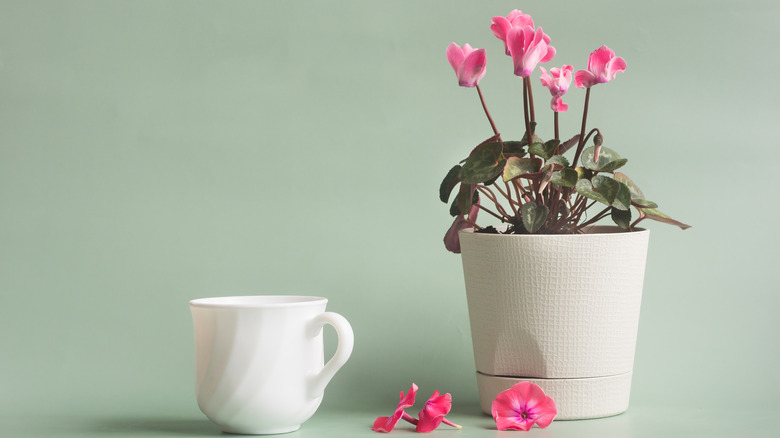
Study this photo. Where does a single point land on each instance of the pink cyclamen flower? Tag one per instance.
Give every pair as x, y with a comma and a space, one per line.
557, 81
528, 48
432, 414
603, 65
522, 406
386, 424
468, 63
502, 25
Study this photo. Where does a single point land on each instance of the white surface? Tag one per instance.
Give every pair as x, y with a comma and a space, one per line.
556, 307
259, 360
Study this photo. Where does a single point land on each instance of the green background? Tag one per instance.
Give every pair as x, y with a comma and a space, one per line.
156, 152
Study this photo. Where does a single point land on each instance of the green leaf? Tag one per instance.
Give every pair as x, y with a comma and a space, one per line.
544, 150
635, 192
622, 218
450, 181
565, 178
484, 164
558, 159
585, 188
534, 137
609, 160
652, 213
534, 216
467, 196
605, 190
607, 187
519, 166
644, 203
454, 210
623, 198
583, 173
514, 149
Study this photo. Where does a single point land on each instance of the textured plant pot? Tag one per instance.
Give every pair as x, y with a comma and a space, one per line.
561, 311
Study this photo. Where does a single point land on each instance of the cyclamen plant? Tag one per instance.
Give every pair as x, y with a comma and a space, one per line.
540, 190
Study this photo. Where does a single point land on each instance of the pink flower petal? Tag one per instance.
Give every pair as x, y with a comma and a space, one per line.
615, 66
518, 18
557, 105
598, 59
432, 414
455, 56
584, 79
546, 79
451, 238
386, 424
522, 406
473, 68
468, 63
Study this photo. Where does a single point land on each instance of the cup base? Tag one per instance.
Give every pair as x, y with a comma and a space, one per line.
269, 431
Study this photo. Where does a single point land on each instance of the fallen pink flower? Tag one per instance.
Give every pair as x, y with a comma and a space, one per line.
528, 48
386, 424
432, 414
501, 25
522, 406
603, 65
468, 63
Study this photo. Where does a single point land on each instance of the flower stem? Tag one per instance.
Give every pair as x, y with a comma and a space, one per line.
582, 131
487, 113
557, 136
530, 98
450, 423
410, 419
525, 113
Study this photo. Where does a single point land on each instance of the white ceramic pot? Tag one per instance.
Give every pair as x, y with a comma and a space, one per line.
561, 311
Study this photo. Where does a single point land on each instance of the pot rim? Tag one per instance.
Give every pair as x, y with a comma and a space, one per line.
591, 230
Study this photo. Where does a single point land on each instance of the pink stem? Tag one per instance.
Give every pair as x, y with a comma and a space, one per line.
410, 419
450, 423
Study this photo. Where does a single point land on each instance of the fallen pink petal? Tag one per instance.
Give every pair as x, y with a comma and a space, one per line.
434, 411
522, 406
386, 424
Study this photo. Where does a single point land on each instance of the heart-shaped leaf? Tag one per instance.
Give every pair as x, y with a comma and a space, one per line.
534, 216
558, 159
484, 164
450, 181
519, 166
644, 203
467, 196
652, 213
609, 160
565, 178
635, 192
585, 188
623, 199
544, 150
514, 149
622, 218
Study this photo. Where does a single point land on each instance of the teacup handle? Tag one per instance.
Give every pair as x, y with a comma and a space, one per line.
343, 350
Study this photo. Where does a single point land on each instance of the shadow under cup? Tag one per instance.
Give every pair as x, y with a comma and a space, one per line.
259, 360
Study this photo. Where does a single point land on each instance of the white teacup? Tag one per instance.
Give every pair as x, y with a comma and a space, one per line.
259, 360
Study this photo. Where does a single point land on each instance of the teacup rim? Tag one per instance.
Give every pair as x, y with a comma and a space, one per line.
258, 301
